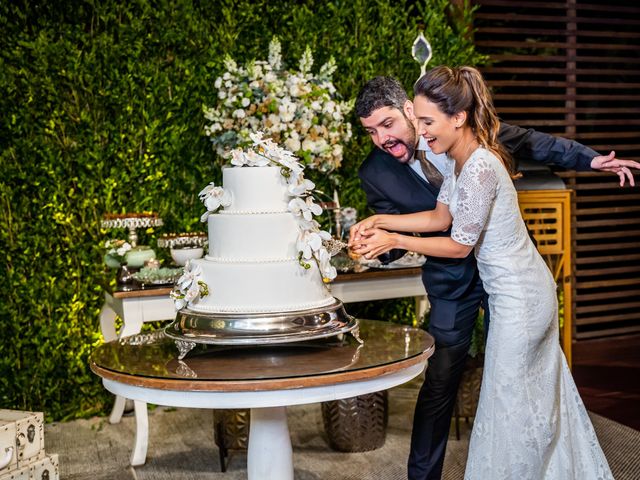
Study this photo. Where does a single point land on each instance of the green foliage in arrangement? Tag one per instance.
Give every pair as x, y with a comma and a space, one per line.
102, 113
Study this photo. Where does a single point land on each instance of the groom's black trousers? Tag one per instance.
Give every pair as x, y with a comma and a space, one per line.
434, 406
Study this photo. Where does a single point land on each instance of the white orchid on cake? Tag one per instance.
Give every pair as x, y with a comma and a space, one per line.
324, 261
305, 208
213, 198
298, 109
189, 287
303, 187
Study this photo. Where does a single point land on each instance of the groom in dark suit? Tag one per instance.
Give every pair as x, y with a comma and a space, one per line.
398, 177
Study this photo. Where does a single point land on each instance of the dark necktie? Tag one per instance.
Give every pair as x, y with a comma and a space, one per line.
429, 169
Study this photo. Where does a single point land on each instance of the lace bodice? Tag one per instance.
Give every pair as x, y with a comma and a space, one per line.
484, 204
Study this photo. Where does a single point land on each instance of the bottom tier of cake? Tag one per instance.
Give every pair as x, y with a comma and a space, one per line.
266, 287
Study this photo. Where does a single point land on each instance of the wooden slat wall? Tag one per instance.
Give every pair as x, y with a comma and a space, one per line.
572, 68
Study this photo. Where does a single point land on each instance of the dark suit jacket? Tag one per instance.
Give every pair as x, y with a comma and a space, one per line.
393, 187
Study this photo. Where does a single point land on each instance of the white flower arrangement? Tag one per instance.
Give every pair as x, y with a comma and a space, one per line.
116, 252
297, 109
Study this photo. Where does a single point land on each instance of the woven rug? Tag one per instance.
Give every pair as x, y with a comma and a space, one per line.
181, 447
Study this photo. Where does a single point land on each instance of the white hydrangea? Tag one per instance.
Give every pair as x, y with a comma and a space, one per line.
293, 144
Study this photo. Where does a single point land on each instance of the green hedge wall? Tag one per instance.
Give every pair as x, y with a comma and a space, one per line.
101, 111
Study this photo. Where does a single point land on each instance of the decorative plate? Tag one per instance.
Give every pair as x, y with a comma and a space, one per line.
409, 260
157, 276
179, 240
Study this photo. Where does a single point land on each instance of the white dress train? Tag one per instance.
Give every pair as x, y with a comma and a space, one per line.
531, 422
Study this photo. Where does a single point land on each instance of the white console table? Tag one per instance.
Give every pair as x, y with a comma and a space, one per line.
135, 306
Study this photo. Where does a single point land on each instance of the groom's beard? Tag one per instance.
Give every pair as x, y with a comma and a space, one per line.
409, 141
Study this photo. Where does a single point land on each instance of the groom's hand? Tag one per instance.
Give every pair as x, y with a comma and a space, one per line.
609, 163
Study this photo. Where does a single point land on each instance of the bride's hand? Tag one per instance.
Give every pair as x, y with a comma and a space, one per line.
359, 230
375, 242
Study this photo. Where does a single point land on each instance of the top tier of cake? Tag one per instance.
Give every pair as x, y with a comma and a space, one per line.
255, 190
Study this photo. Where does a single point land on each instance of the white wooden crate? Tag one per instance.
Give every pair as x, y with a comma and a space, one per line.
21, 474
46, 468
8, 450
22, 432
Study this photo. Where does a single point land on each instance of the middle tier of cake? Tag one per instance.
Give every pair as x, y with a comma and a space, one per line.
236, 237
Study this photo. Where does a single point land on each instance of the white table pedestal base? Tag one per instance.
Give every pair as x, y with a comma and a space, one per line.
269, 456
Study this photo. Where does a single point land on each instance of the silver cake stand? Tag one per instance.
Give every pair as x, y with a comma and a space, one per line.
190, 327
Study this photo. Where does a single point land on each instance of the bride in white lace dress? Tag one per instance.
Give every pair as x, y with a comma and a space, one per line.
530, 422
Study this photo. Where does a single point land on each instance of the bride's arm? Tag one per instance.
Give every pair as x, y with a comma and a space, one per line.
435, 220
428, 221
433, 246
479, 182
377, 241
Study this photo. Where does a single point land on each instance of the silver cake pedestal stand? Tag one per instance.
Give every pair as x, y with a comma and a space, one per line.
191, 328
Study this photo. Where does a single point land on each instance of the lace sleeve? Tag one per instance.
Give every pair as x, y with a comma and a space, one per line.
445, 189
476, 191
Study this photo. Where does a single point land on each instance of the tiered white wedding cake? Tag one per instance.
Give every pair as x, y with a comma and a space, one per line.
267, 263
253, 264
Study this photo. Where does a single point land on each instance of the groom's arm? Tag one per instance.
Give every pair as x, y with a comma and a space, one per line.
529, 144
379, 203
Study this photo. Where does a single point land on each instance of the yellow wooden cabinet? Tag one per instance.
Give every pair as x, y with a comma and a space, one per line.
547, 214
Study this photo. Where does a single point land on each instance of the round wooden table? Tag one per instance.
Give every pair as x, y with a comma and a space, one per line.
265, 379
